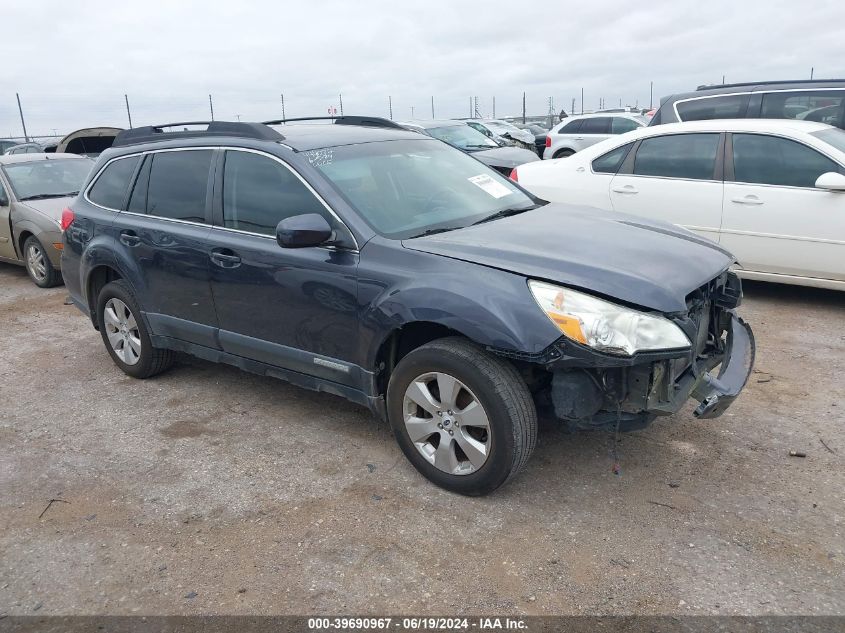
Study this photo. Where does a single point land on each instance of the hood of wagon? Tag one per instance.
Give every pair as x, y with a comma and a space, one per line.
631, 259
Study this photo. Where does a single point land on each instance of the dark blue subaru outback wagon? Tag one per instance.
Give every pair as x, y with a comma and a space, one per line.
391, 269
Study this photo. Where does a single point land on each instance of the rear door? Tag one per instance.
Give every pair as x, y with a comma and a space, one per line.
676, 178
775, 220
164, 232
593, 130
291, 307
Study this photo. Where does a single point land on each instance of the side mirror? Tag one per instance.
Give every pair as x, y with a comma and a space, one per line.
4, 198
831, 181
302, 231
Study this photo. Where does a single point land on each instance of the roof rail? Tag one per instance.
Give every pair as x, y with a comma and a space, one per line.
365, 121
769, 83
153, 133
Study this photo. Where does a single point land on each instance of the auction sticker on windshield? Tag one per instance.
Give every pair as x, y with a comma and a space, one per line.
495, 189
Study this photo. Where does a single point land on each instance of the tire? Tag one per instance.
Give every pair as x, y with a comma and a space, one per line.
38, 266
483, 379
125, 335
564, 153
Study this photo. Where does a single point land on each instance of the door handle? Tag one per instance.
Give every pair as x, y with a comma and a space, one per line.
130, 238
629, 189
750, 199
225, 258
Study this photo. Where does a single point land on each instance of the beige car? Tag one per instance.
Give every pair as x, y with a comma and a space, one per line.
34, 189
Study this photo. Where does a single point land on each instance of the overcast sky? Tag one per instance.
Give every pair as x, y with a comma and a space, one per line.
72, 62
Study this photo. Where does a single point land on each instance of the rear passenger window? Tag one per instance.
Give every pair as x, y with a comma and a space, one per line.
690, 156
821, 106
611, 162
178, 185
572, 127
110, 188
621, 125
596, 125
769, 160
259, 192
726, 107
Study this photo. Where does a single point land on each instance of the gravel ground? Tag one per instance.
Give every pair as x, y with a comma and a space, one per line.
209, 490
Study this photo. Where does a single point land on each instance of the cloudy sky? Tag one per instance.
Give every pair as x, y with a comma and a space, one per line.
72, 62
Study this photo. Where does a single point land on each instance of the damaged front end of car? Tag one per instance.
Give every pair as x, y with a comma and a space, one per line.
609, 371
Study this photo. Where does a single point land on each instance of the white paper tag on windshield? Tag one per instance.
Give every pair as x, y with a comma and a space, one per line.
495, 189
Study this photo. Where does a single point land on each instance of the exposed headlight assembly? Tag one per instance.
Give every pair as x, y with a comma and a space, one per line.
604, 326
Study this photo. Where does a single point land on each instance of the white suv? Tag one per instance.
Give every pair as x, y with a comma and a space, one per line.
575, 133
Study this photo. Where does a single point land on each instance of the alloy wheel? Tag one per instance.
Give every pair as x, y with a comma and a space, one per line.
122, 331
35, 262
447, 423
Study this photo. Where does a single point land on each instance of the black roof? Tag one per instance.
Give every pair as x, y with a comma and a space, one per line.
787, 83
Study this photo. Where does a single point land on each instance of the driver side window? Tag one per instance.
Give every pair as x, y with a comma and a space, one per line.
259, 192
4, 197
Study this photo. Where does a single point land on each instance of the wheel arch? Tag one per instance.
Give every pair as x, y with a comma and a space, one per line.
96, 280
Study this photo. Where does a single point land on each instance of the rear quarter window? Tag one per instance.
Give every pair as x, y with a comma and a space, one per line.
110, 188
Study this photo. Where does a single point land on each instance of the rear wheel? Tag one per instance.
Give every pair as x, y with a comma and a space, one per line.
463, 417
125, 335
38, 266
564, 153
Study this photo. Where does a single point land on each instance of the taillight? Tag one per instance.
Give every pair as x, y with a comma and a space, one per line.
67, 218
548, 141
514, 176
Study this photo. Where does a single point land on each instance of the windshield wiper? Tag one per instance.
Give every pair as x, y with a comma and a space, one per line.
45, 196
504, 213
428, 232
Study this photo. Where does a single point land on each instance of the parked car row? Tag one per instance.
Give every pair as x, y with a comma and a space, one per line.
85, 142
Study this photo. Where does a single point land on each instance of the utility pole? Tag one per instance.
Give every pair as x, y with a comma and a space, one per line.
476, 112
651, 96
340, 98
572, 109
494, 107
283, 106
432, 106
412, 112
523, 108
390, 106
128, 113
210, 107
812, 70
23, 124
582, 101
620, 102
723, 80
470, 107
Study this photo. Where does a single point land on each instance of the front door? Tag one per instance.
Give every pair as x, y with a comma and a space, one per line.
293, 308
775, 219
674, 178
164, 233
7, 244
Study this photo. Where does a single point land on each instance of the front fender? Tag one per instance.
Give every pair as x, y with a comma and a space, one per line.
490, 307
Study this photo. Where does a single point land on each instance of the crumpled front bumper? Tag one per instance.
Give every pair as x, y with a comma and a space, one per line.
716, 393
633, 395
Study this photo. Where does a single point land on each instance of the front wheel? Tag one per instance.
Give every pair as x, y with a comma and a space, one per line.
463, 417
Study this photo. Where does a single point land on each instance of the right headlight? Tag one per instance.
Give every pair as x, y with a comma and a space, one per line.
605, 326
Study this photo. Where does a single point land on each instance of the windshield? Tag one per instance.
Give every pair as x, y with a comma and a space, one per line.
462, 137
47, 178
406, 188
833, 136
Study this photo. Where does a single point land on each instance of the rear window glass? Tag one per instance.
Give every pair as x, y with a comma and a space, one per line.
596, 125
178, 185
821, 106
110, 188
572, 127
691, 156
725, 107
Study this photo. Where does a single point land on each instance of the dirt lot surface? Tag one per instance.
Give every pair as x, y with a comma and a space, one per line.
209, 490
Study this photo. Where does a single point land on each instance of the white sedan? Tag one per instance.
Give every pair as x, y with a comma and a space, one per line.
770, 191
